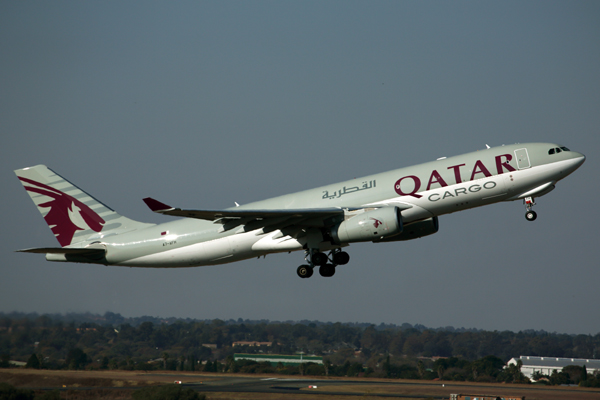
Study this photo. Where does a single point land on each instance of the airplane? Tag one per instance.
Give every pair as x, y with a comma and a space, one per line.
393, 206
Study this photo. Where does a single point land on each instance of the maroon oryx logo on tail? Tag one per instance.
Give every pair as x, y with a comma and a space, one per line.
63, 209
376, 223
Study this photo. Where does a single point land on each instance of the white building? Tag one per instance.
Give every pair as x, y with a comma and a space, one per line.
545, 365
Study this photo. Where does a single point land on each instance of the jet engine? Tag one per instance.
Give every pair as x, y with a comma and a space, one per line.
414, 230
368, 226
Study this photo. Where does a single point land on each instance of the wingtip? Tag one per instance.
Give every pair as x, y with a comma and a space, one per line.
156, 205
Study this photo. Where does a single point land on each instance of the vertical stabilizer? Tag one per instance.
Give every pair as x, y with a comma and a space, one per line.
73, 215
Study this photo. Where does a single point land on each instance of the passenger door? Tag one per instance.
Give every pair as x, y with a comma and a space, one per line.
522, 158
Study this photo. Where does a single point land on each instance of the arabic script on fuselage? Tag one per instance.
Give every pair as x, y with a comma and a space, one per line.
347, 190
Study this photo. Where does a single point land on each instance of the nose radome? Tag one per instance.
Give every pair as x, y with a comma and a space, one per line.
572, 162
580, 158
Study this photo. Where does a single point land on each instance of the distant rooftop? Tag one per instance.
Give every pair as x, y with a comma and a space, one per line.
546, 365
559, 362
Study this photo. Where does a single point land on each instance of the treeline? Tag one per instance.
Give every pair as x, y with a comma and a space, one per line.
391, 351
115, 319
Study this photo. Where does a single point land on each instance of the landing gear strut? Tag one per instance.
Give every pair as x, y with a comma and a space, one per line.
316, 258
530, 215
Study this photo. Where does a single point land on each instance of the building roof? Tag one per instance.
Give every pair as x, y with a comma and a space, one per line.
251, 343
279, 358
556, 362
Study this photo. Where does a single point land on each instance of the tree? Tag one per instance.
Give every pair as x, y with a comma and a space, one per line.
76, 359
559, 378
421, 368
591, 381
191, 362
327, 366
512, 374
537, 375
489, 366
145, 331
165, 357
33, 362
440, 371
576, 373
5, 360
413, 345
387, 368
355, 369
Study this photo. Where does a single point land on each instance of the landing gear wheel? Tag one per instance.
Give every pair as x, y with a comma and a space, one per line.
531, 215
529, 202
327, 270
341, 258
304, 271
319, 258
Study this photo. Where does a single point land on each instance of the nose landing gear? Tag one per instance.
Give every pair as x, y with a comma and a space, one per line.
530, 215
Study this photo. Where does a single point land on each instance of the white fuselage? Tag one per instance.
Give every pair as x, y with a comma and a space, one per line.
424, 191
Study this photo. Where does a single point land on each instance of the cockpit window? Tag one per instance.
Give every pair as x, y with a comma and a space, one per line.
557, 150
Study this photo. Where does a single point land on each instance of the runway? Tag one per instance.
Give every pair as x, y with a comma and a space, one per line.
382, 389
308, 387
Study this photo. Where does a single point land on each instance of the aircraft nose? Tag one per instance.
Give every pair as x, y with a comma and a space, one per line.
575, 161
580, 158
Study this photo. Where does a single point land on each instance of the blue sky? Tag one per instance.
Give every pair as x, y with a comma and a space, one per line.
203, 104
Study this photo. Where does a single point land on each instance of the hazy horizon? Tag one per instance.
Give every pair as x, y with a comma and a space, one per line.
73, 316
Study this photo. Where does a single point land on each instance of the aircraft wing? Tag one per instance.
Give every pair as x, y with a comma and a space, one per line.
232, 214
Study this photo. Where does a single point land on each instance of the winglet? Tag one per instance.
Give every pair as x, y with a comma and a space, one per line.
156, 205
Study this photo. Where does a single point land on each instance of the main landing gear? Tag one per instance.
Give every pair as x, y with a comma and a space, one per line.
530, 215
326, 268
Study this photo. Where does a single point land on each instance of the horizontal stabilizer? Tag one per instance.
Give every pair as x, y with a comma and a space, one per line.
89, 252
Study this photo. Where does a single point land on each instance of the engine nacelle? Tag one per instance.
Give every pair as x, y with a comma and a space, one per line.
368, 226
414, 230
